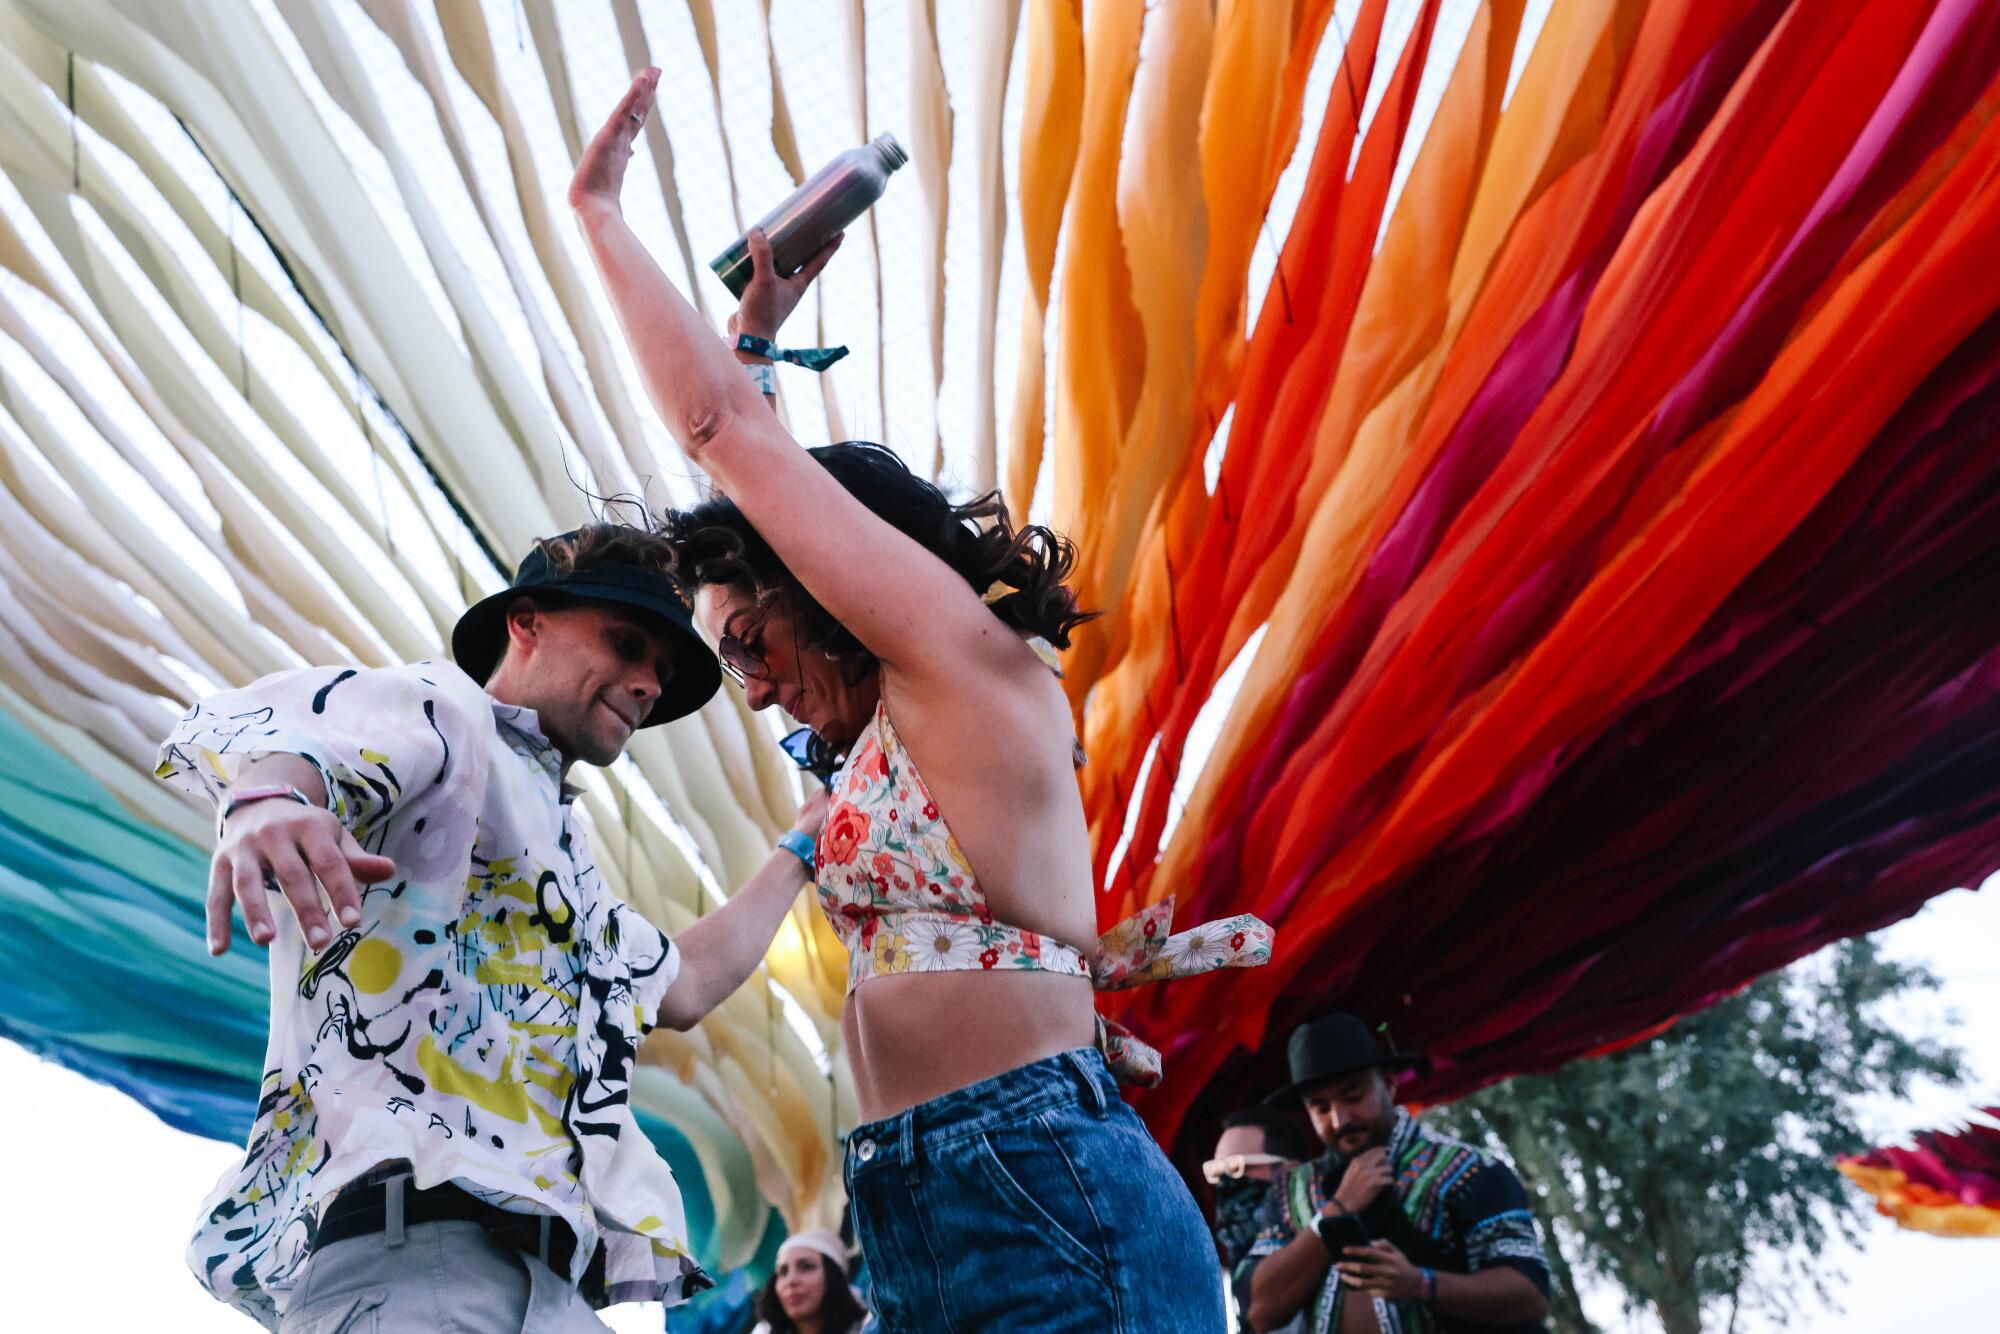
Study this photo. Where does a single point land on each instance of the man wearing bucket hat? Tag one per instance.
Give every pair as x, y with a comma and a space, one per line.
457, 999
1396, 1227
444, 1114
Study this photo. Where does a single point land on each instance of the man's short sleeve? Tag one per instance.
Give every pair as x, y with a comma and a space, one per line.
652, 960
1491, 1211
377, 736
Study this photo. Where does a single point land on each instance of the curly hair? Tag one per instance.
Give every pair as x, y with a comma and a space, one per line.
715, 544
607, 543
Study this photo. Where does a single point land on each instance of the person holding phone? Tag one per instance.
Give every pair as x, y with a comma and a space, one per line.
1396, 1226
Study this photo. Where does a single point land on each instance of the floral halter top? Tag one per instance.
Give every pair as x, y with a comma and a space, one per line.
897, 889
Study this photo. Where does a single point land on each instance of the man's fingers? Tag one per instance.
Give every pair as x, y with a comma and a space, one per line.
368, 868
760, 250
218, 905
329, 863
810, 269
302, 892
247, 879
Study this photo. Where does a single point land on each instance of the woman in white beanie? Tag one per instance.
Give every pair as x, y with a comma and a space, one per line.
809, 1292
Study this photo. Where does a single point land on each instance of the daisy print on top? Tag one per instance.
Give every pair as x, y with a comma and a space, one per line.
897, 889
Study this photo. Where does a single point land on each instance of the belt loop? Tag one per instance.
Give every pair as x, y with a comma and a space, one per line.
392, 1210
542, 1244
907, 1146
1093, 1092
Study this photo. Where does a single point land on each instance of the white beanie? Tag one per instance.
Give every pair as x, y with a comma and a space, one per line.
816, 1239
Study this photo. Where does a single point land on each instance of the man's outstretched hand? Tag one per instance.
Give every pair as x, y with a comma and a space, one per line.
296, 850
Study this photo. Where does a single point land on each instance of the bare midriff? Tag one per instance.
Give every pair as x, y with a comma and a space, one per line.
912, 1037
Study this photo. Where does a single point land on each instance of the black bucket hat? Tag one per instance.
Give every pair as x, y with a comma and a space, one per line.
1338, 1045
480, 636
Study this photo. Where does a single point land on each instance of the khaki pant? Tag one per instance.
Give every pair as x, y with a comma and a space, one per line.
433, 1278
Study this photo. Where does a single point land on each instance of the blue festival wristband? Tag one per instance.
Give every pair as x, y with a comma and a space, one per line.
800, 845
764, 376
1430, 1286
812, 358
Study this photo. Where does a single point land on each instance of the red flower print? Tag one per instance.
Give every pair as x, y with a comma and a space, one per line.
872, 765
868, 933
883, 865
989, 958
1236, 941
845, 829
930, 810
1152, 928
983, 913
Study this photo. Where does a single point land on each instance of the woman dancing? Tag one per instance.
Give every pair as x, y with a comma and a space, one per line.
998, 1180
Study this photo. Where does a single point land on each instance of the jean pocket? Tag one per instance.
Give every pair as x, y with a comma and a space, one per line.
349, 1313
1035, 1179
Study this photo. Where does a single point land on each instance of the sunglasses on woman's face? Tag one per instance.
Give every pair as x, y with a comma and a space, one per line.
740, 661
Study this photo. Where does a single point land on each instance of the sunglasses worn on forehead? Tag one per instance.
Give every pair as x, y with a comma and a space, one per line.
1233, 1166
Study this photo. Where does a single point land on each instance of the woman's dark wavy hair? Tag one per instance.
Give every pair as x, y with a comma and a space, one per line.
839, 1308
715, 544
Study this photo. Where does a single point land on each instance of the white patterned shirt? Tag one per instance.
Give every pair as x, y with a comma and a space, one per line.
483, 1019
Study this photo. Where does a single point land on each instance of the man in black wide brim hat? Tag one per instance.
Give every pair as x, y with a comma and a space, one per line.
1429, 1232
474, 999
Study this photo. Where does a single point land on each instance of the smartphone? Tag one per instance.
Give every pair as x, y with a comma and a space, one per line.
1341, 1231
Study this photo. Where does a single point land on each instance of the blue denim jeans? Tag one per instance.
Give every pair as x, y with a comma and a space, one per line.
1035, 1200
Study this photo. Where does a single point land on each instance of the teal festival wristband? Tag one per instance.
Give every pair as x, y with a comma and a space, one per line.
800, 845
764, 376
812, 358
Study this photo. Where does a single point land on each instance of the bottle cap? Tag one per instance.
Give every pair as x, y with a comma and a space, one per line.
892, 152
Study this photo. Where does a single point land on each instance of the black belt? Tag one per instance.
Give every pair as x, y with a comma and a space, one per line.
362, 1210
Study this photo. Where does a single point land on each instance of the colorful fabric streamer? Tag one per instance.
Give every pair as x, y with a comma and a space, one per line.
1947, 1183
1561, 592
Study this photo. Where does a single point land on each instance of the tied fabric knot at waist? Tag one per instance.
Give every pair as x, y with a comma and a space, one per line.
1143, 949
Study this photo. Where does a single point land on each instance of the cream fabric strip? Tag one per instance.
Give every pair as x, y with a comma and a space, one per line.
930, 154
660, 144
996, 25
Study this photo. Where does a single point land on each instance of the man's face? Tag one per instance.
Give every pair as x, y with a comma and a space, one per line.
1247, 1139
591, 672
1353, 1113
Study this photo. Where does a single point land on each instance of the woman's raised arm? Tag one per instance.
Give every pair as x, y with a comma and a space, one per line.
923, 618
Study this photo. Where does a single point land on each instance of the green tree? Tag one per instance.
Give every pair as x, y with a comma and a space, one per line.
1695, 1171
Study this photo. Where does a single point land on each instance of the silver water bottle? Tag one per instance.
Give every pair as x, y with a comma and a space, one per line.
831, 198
